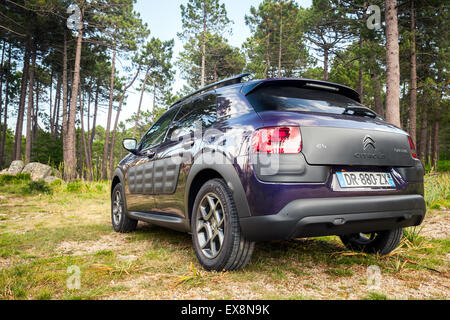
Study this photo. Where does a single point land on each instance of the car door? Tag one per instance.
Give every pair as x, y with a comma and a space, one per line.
174, 156
140, 185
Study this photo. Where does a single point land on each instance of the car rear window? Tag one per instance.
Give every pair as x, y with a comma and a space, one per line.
291, 98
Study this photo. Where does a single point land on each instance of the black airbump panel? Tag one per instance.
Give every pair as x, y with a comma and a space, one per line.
140, 179
165, 176
155, 177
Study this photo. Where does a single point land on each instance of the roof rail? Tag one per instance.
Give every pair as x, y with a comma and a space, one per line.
222, 83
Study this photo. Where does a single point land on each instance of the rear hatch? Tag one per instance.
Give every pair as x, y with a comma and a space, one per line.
335, 128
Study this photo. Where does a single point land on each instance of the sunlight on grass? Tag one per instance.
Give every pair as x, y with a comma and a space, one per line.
437, 189
42, 234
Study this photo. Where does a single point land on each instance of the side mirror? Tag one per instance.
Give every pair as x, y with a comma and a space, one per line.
130, 145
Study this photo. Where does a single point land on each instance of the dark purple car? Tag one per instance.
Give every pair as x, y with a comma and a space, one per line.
235, 163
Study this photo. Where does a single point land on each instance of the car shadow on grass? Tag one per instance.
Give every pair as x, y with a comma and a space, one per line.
267, 255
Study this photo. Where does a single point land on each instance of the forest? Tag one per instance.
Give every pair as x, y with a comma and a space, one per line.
59, 69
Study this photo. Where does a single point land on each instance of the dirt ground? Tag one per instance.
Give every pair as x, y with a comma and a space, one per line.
42, 236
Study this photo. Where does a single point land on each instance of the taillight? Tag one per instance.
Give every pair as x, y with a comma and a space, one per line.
413, 149
277, 140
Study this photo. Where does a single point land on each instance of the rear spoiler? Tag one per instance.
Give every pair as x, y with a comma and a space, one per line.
348, 92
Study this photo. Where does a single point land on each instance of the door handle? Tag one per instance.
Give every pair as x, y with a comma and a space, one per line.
150, 153
188, 144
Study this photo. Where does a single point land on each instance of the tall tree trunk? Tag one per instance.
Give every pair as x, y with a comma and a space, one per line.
281, 39
105, 171
21, 110
136, 122
65, 95
413, 85
88, 129
78, 154
203, 46
54, 123
1, 76
35, 128
430, 143
5, 110
325, 63
361, 59
392, 65
436, 144
83, 141
267, 66
423, 131
50, 104
30, 115
360, 71
70, 149
116, 122
94, 121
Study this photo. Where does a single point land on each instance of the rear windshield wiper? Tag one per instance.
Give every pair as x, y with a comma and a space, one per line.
360, 112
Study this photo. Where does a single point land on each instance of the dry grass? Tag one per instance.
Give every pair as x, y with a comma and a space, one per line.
42, 235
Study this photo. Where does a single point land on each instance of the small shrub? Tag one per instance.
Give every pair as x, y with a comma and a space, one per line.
74, 186
6, 179
56, 183
412, 238
37, 187
437, 188
23, 177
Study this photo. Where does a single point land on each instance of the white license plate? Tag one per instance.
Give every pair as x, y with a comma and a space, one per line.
365, 179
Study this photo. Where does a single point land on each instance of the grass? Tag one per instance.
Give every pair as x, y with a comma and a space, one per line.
340, 272
443, 166
42, 234
375, 296
437, 190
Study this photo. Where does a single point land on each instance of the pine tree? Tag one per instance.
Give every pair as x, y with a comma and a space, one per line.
200, 17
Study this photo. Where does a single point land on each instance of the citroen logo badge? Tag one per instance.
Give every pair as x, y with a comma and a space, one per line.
368, 141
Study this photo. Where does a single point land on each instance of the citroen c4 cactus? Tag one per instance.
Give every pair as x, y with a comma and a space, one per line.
277, 159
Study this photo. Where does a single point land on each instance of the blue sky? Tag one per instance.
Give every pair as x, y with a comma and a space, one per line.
164, 21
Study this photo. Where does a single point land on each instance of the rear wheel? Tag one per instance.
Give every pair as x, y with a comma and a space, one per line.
120, 221
382, 242
216, 233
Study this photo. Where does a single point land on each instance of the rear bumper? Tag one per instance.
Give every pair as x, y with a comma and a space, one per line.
336, 216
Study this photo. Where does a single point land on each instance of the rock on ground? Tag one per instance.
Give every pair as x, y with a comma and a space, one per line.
38, 171
50, 179
16, 167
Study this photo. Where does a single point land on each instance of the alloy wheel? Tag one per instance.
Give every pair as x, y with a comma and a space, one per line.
210, 225
117, 207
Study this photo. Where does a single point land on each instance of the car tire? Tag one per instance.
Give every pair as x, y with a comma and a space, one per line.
216, 234
381, 243
120, 220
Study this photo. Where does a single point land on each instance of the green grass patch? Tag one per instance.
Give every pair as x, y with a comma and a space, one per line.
36, 187
437, 188
105, 253
340, 272
17, 179
375, 296
46, 240
443, 166
36, 263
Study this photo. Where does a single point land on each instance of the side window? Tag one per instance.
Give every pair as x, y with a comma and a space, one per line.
157, 132
199, 112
